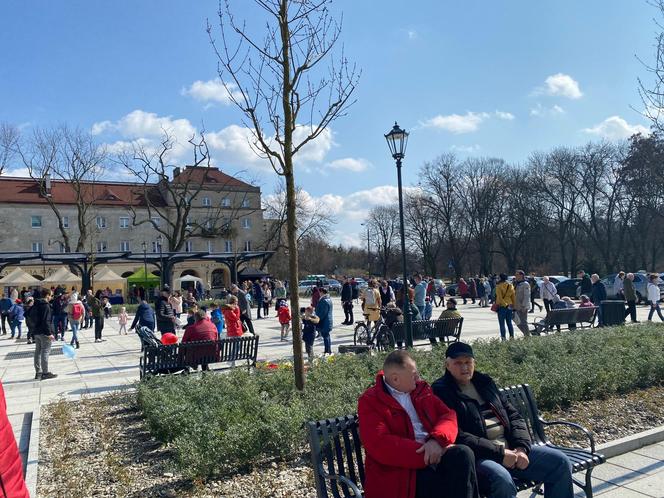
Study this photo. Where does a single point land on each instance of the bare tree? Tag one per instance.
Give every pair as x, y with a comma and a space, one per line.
383, 224
424, 234
652, 92
9, 137
72, 156
287, 97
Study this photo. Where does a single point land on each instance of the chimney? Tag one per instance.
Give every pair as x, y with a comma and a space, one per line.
47, 184
176, 171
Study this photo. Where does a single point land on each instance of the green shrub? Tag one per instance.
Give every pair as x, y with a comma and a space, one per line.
223, 423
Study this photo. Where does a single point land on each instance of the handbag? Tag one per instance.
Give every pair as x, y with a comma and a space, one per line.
494, 307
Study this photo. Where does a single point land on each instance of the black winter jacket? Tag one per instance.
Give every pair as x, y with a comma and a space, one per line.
346, 292
40, 318
472, 431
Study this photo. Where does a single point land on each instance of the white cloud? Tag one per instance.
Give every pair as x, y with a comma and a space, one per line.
540, 111
616, 128
560, 85
349, 164
412, 34
466, 123
466, 149
17, 172
211, 91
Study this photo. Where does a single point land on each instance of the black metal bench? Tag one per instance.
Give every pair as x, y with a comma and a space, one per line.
181, 357
569, 317
447, 330
337, 454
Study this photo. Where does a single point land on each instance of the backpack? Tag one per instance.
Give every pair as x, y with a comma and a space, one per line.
370, 297
77, 311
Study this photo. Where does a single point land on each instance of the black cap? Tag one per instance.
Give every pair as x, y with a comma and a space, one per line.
457, 349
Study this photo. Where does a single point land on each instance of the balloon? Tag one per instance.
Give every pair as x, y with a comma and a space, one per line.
68, 351
169, 338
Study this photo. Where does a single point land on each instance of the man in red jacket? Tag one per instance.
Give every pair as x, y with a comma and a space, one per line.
408, 434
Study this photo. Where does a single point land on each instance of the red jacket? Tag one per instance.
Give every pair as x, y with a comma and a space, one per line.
11, 466
389, 440
203, 330
284, 315
232, 321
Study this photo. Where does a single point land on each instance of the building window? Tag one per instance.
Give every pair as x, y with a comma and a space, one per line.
210, 246
188, 221
246, 223
247, 245
156, 246
36, 247
225, 202
124, 222
189, 246
245, 203
102, 246
206, 201
65, 222
101, 222
124, 245
35, 221
228, 246
156, 220
208, 224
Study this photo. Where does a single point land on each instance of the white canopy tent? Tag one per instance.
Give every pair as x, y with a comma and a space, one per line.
106, 277
177, 283
19, 278
65, 278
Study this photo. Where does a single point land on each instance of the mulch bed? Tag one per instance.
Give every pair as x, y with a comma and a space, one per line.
101, 447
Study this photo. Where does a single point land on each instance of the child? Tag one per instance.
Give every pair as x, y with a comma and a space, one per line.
284, 319
217, 319
16, 317
107, 307
309, 321
123, 318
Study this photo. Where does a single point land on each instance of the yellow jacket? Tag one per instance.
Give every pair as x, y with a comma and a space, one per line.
505, 294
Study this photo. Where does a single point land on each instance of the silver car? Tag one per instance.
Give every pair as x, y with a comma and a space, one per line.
640, 286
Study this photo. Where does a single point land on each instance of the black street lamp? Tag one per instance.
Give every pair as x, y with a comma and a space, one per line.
162, 280
397, 139
368, 250
145, 270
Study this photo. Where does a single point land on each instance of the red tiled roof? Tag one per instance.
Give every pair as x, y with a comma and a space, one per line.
26, 191
205, 175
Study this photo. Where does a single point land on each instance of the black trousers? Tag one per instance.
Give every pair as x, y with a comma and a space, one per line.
453, 477
5, 320
247, 321
547, 304
348, 311
99, 326
631, 310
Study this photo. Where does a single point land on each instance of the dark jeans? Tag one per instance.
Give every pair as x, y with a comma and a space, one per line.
247, 321
87, 322
5, 320
547, 304
60, 325
348, 311
327, 341
533, 304
655, 307
99, 326
631, 310
453, 477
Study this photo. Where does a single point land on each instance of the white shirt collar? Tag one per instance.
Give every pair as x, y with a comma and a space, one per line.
392, 390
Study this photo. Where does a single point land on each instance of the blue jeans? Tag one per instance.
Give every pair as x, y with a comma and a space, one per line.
653, 307
327, 341
547, 465
505, 316
74, 330
60, 325
15, 325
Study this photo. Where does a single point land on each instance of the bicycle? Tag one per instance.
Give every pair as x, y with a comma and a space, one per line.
380, 336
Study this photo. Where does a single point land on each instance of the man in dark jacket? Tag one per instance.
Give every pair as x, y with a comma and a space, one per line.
586, 284
630, 297
408, 435
144, 316
5, 304
496, 432
597, 295
324, 312
347, 302
41, 320
245, 308
165, 313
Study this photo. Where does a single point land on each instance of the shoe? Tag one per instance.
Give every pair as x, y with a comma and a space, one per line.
48, 375
78, 346
29, 341
38, 376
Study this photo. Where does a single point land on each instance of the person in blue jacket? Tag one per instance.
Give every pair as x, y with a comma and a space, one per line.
5, 304
144, 316
324, 313
217, 318
16, 317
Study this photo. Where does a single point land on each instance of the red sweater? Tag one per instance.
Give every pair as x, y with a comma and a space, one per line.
203, 330
11, 466
284, 315
389, 440
232, 321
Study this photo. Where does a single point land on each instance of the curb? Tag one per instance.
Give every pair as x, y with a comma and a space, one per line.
631, 443
33, 453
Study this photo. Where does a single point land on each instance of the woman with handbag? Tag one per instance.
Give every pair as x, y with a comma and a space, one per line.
505, 298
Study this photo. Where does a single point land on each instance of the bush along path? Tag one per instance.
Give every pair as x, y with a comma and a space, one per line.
221, 424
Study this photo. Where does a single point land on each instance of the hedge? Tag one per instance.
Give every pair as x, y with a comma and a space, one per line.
224, 423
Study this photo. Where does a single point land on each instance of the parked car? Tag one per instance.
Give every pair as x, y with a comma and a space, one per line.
640, 286
305, 287
334, 286
556, 279
451, 290
570, 288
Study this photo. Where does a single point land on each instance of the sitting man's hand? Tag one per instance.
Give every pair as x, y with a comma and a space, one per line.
522, 461
433, 452
510, 459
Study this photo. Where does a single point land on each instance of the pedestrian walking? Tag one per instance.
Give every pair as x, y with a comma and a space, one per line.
462, 290
347, 301
245, 308
324, 312
123, 319
504, 306
654, 297
76, 313
597, 295
16, 317
521, 302
97, 310
630, 296
547, 291
534, 293
41, 322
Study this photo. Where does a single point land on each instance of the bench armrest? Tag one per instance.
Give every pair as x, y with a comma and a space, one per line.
574, 426
344, 480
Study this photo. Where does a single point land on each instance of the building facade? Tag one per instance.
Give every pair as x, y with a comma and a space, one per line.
223, 215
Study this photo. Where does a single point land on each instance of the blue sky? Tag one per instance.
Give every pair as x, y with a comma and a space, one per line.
491, 78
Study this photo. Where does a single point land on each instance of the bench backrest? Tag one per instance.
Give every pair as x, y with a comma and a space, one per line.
447, 329
336, 448
570, 315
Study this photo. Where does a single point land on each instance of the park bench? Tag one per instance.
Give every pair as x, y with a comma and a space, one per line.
338, 456
569, 317
181, 357
447, 330
147, 337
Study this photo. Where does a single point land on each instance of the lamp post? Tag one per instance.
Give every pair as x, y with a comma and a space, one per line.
368, 250
162, 280
145, 269
397, 139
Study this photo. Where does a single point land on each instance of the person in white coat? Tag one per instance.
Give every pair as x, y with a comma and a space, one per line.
653, 297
